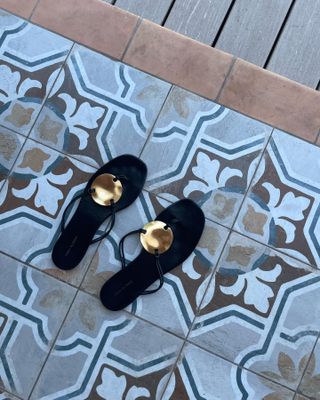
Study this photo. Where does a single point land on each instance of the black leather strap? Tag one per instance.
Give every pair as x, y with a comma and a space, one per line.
121, 246
64, 215
157, 257
161, 277
109, 225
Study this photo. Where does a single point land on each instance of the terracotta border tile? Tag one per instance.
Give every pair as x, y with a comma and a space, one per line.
273, 99
260, 94
23, 8
92, 22
178, 59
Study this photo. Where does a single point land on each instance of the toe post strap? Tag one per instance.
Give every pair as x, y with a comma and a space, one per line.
156, 238
106, 190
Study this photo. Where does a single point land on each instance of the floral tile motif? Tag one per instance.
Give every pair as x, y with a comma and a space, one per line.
203, 151
201, 375
310, 384
174, 306
41, 185
32, 308
260, 311
283, 205
10, 146
30, 60
99, 108
101, 354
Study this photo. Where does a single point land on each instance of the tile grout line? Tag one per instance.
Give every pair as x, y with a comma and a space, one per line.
236, 217
196, 314
232, 230
49, 92
139, 22
215, 269
26, 137
239, 366
226, 80
156, 76
317, 139
14, 163
10, 393
174, 367
37, 269
149, 136
276, 250
52, 346
34, 9
63, 153
78, 289
307, 364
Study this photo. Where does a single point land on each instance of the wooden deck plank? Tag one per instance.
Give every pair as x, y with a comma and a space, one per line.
297, 53
199, 19
151, 9
252, 28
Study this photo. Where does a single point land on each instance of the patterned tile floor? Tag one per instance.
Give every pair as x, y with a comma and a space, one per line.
238, 320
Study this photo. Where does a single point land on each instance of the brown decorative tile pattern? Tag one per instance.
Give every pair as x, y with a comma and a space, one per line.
99, 108
271, 98
92, 23
282, 207
32, 309
30, 61
41, 185
310, 384
261, 312
101, 354
10, 146
203, 151
179, 60
200, 375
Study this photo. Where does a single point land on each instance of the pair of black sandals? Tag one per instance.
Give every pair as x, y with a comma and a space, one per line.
166, 242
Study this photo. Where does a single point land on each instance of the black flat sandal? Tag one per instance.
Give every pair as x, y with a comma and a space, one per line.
113, 187
167, 242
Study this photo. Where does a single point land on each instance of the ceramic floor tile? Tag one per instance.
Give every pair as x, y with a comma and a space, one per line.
174, 306
30, 59
101, 354
32, 308
260, 311
41, 185
7, 396
310, 384
100, 108
203, 151
283, 205
201, 375
10, 145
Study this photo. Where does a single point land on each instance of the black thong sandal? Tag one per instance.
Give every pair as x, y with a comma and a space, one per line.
113, 187
167, 242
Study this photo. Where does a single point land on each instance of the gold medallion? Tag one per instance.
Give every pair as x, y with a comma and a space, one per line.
106, 189
157, 237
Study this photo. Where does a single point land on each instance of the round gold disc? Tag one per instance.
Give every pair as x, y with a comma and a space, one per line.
158, 236
105, 189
